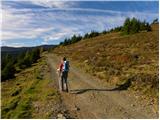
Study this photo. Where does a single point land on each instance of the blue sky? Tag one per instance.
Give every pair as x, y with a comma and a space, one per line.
37, 22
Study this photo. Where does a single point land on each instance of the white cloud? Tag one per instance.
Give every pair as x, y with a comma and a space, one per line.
17, 45
61, 34
59, 20
13, 20
26, 34
17, 25
52, 4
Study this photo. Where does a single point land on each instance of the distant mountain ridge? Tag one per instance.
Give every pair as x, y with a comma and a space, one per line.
14, 49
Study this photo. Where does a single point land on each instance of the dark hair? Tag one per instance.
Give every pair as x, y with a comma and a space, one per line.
64, 59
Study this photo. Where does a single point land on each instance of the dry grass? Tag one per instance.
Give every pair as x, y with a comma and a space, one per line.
130, 57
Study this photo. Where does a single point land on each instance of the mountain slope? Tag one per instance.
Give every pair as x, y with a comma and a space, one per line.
128, 61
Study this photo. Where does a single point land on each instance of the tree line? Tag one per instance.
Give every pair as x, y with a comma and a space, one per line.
10, 64
76, 38
134, 25
130, 26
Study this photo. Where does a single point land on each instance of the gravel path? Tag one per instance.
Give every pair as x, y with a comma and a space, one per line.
90, 98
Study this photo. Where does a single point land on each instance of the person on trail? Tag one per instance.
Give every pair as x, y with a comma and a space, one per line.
63, 74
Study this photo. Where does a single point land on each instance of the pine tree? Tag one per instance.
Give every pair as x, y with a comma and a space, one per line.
126, 26
134, 25
148, 27
104, 32
27, 59
9, 70
143, 26
155, 21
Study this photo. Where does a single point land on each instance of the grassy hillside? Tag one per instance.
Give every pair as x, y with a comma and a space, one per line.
126, 60
31, 94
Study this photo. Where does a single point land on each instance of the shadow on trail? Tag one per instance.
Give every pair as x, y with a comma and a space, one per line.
80, 91
124, 86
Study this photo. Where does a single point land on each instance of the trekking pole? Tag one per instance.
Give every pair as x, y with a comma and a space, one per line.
59, 79
69, 87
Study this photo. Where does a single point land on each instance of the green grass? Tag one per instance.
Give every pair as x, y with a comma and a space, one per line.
23, 110
16, 91
31, 89
7, 109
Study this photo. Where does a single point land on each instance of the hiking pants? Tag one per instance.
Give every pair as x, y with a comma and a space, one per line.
64, 80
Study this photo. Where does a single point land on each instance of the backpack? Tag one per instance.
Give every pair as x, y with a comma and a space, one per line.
66, 66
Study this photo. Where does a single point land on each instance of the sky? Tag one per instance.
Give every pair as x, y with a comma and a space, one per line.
41, 22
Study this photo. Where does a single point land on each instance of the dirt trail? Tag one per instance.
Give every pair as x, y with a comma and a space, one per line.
90, 98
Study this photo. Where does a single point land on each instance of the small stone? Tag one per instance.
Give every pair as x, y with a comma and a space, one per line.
60, 116
76, 108
65, 111
86, 61
125, 112
137, 97
151, 103
132, 105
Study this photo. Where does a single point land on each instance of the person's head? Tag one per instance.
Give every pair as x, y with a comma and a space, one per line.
64, 58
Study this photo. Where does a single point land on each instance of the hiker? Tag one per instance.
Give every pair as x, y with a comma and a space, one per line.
63, 74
